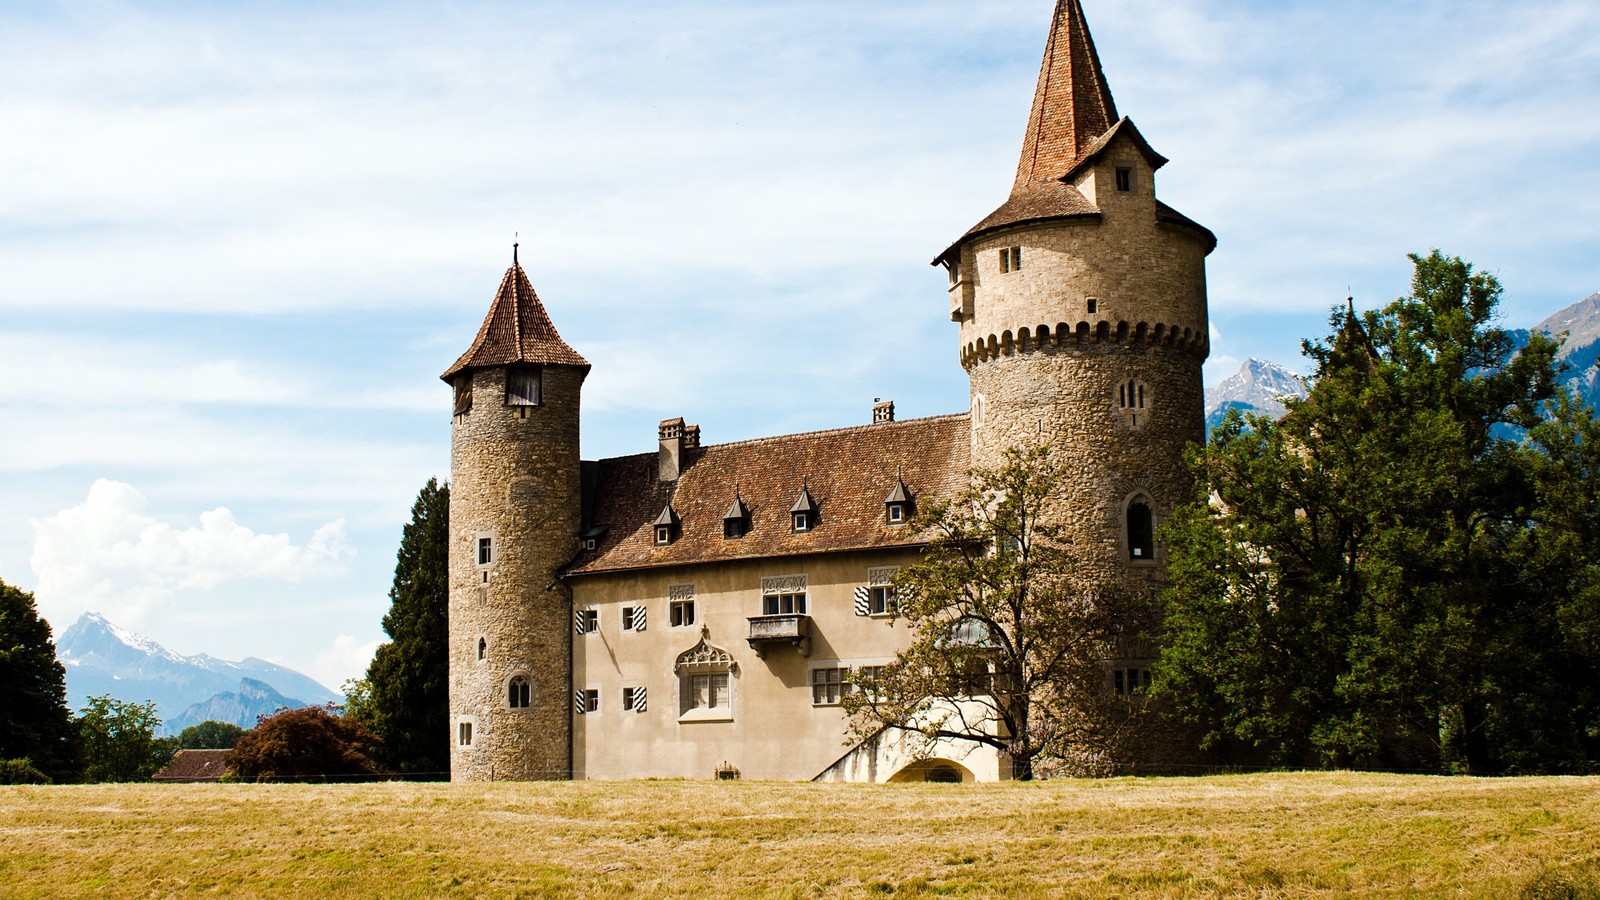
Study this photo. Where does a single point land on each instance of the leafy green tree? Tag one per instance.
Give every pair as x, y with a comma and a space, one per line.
308, 744
406, 697
118, 740
209, 735
1008, 645
1369, 581
35, 722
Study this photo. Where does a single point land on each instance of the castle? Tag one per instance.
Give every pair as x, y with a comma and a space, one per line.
695, 611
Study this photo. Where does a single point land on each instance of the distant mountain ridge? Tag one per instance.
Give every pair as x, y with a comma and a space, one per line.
102, 658
242, 707
1581, 351
1258, 387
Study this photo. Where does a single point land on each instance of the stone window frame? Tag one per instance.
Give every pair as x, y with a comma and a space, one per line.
1143, 498
1133, 400
483, 649
485, 541
1124, 179
680, 598
1130, 679
466, 737
1010, 260
880, 592
713, 667
829, 682
793, 591
519, 700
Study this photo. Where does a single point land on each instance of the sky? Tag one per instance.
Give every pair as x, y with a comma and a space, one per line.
240, 241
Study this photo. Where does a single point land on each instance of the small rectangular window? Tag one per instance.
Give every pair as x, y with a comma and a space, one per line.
464, 734
589, 701
586, 621
523, 386
1131, 680
1005, 260
681, 613
633, 618
485, 551
1094, 305
828, 686
1016, 259
1124, 179
881, 600
802, 522
463, 394
784, 604
663, 534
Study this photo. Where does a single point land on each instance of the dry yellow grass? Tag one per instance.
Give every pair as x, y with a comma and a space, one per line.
1297, 835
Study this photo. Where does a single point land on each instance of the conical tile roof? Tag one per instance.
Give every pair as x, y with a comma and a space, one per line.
516, 330
1072, 104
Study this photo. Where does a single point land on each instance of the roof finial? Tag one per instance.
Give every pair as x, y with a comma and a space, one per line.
516, 237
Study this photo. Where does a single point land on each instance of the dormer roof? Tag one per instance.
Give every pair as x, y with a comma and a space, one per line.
900, 494
667, 517
738, 510
516, 330
805, 504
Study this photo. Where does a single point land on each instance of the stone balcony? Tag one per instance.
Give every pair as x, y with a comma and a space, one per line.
792, 629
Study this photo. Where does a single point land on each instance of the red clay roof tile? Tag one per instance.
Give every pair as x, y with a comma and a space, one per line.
516, 330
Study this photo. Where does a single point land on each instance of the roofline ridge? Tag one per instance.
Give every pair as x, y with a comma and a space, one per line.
801, 434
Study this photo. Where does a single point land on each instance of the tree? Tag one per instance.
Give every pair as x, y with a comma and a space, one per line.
118, 740
1008, 646
35, 723
406, 700
308, 744
210, 735
1370, 580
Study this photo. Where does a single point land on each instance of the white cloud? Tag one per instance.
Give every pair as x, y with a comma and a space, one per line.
106, 555
347, 658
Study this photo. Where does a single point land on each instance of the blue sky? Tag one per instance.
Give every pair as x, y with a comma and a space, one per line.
239, 242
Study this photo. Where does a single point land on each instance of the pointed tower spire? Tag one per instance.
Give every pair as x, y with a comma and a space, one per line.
516, 330
1071, 105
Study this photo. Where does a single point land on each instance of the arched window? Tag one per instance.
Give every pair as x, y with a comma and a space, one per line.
1141, 531
483, 649
519, 694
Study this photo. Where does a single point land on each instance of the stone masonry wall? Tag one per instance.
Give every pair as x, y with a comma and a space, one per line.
515, 479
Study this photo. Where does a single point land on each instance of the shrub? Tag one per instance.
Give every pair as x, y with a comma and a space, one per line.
21, 771
309, 744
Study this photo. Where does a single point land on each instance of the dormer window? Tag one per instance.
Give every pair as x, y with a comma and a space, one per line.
897, 506
804, 511
1124, 179
736, 521
666, 526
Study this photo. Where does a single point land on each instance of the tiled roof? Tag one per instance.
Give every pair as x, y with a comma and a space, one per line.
516, 330
848, 471
1071, 105
194, 765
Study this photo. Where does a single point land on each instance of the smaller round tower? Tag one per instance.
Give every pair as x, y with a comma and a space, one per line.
1082, 310
515, 507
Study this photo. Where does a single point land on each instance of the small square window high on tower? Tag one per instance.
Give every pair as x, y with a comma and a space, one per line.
1124, 179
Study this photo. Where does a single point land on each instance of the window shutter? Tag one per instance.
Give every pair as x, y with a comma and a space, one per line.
577, 621
638, 700
580, 703
862, 603
638, 620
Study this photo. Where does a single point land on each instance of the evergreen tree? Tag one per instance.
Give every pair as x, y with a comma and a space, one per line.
118, 740
407, 697
35, 723
1374, 580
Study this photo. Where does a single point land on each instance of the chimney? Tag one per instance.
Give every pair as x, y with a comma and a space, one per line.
882, 410
691, 437
671, 459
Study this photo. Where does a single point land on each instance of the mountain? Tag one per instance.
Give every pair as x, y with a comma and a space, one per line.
101, 658
242, 707
1581, 322
1259, 387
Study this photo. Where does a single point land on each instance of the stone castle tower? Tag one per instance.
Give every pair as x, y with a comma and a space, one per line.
515, 502
1082, 310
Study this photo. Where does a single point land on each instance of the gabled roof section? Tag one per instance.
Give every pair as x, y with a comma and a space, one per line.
846, 471
516, 330
1072, 104
805, 504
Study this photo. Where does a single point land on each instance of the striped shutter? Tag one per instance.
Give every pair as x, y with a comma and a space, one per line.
863, 607
580, 703
639, 704
577, 621
638, 619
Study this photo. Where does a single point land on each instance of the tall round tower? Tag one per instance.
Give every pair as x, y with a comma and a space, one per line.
515, 507
1082, 309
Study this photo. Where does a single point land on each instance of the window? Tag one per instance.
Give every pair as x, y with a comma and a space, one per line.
1131, 680
586, 701
523, 386
663, 535
1130, 395
1094, 305
680, 613
1011, 259
1124, 179
732, 529
867, 680
828, 686
485, 551
897, 513
788, 604
483, 649
633, 699
1141, 532
708, 691
589, 543
464, 733
519, 694
586, 621
802, 522
633, 618
880, 600
463, 394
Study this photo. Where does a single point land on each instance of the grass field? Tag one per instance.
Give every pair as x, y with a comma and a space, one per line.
1287, 835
